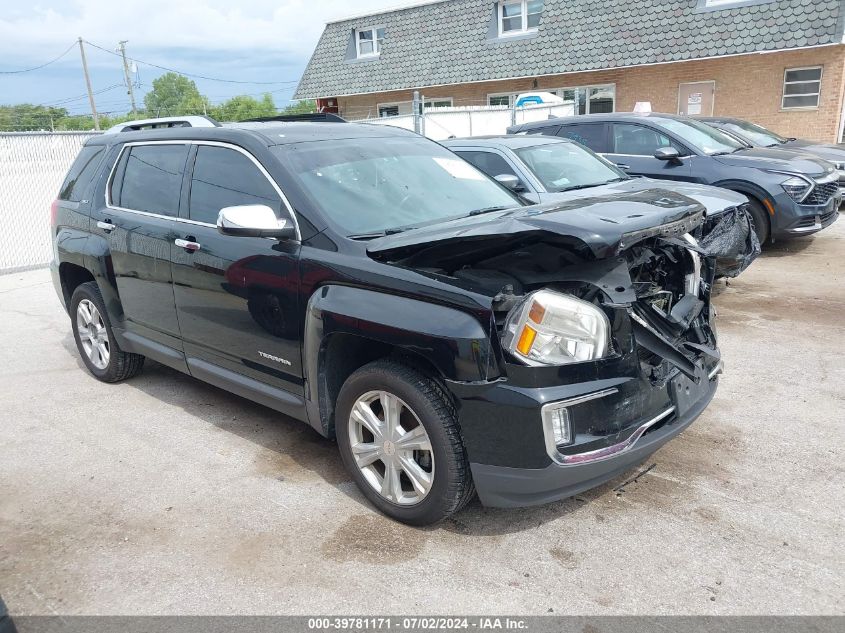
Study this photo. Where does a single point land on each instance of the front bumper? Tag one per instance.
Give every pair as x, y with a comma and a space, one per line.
504, 487
794, 220
816, 221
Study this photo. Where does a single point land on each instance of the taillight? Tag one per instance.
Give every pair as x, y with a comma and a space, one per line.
54, 213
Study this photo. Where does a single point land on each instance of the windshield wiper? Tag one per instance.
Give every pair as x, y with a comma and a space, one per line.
620, 179
486, 210
576, 187
377, 234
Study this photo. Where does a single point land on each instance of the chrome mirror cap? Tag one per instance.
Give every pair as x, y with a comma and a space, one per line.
253, 220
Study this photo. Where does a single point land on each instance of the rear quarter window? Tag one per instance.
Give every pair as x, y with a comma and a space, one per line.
81, 173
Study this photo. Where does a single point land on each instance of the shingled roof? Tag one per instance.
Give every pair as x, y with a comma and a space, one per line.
452, 42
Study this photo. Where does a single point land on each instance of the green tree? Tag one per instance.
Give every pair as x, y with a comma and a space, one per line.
301, 107
26, 117
174, 95
244, 107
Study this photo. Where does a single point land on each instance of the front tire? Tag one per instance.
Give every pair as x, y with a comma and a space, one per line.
95, 338
398, 435
760, 219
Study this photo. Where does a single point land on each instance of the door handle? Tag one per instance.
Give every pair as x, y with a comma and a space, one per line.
106, 225
623, 166
188, 245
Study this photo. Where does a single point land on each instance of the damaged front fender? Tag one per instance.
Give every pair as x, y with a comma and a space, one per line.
731, 239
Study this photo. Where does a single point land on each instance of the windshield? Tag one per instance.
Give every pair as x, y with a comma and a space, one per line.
755, 133
563, 166
700, 136
370, 186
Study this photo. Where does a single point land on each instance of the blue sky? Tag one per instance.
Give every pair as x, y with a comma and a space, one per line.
266, 41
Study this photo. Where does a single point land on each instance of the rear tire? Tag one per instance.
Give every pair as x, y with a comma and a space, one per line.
760, 219
95, 338
398, 435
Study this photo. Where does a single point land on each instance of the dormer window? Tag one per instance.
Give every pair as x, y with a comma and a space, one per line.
517, 17
715, 5
369, 41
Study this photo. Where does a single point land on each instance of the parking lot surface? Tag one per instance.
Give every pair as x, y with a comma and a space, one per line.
164, 495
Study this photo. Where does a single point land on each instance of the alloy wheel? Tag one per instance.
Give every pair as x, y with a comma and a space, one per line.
92, 334
391, 448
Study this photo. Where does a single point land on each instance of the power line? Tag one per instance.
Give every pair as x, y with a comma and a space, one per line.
29, 70
67, 100
179, 72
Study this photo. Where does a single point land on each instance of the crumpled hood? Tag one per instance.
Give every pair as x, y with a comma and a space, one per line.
828, 151
714, 199
598, 223
795, 162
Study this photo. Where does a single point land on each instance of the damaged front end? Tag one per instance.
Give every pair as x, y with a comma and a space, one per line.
607, 341
730, 238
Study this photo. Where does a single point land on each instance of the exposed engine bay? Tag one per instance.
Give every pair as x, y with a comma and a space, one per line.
587, 281
662, 283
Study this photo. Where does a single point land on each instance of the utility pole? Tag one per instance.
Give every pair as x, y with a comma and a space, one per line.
122, 48
88, 84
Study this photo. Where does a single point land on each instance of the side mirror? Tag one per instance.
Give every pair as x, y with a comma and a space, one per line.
253, 220
510, 181
667, 153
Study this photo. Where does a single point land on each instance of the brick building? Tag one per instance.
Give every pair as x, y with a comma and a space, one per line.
780, 63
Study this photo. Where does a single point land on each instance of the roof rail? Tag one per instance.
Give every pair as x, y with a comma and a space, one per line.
163, 122
314, 117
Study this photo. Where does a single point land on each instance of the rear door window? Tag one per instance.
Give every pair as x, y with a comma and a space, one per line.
81, 173
592, 135
152, 179
225, 177
636, 140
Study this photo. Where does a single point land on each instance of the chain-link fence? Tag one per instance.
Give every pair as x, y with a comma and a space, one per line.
32, 167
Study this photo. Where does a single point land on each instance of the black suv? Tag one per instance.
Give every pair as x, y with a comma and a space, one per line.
790, 193
369, 282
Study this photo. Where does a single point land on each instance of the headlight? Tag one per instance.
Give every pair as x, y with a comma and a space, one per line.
797, 188
550, 328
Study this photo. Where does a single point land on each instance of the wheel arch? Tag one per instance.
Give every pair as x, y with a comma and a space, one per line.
71, 276
755, 193
347, 328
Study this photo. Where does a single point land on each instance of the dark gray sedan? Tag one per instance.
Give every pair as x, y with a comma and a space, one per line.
791, 193
758, 136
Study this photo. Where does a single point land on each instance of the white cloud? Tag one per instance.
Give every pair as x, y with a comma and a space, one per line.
275, 26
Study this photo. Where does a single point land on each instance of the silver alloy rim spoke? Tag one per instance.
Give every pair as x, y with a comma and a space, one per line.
366, 454
396, 462
92, 334
364, 415
414, 440
392, 412
391, 486
418, 477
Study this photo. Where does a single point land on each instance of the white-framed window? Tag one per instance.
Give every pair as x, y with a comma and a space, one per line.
727, 4
392, 109
369, 41
517, 17
441, 102
590, 99
500, 99
403, 108
801, 87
